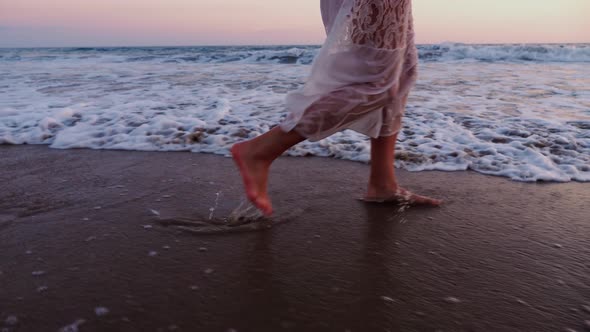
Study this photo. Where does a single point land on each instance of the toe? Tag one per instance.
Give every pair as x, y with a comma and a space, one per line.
423, 200
264, 205
268, 211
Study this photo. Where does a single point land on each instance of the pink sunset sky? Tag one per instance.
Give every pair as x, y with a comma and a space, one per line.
37, 23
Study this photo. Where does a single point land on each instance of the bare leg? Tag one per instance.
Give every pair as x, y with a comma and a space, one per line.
254, 158
383, 186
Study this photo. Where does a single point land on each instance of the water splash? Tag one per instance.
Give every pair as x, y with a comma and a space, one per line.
244, 218
244, 213
212, 209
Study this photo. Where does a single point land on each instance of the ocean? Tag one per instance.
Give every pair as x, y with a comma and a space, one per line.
518, 111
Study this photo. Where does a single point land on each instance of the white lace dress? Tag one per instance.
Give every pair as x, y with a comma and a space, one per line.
361, 77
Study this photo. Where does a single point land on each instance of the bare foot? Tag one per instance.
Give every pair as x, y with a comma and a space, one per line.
399, 195
254, 175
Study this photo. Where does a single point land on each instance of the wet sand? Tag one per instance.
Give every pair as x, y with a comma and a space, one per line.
76, 234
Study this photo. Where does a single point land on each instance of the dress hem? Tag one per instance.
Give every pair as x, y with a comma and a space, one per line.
316, 138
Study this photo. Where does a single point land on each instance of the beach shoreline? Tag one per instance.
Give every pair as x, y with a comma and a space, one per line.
81, 242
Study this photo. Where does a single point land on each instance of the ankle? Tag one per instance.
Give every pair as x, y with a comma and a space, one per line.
252, 152
382, 185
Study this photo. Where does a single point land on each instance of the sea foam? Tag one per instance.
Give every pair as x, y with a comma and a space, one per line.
528, 120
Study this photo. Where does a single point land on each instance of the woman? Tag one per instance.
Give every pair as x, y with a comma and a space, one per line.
360, 80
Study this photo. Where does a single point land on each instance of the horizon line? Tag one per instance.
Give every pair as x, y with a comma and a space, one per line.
278, 45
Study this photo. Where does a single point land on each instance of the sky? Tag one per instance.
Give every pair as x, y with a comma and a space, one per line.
62, 23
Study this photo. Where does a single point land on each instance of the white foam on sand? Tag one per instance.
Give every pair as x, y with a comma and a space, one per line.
525, 121
101, 311
74, 327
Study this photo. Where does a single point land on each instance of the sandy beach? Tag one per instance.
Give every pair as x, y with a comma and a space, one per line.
81, 247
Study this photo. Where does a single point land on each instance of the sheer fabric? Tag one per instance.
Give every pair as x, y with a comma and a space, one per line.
363, 74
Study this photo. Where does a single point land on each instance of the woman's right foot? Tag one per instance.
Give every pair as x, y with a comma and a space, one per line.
399, 195
254, 174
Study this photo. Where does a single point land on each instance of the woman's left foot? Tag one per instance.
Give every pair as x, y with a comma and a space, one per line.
400, 196
254, 174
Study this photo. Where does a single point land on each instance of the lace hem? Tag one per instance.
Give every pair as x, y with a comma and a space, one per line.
363, 74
